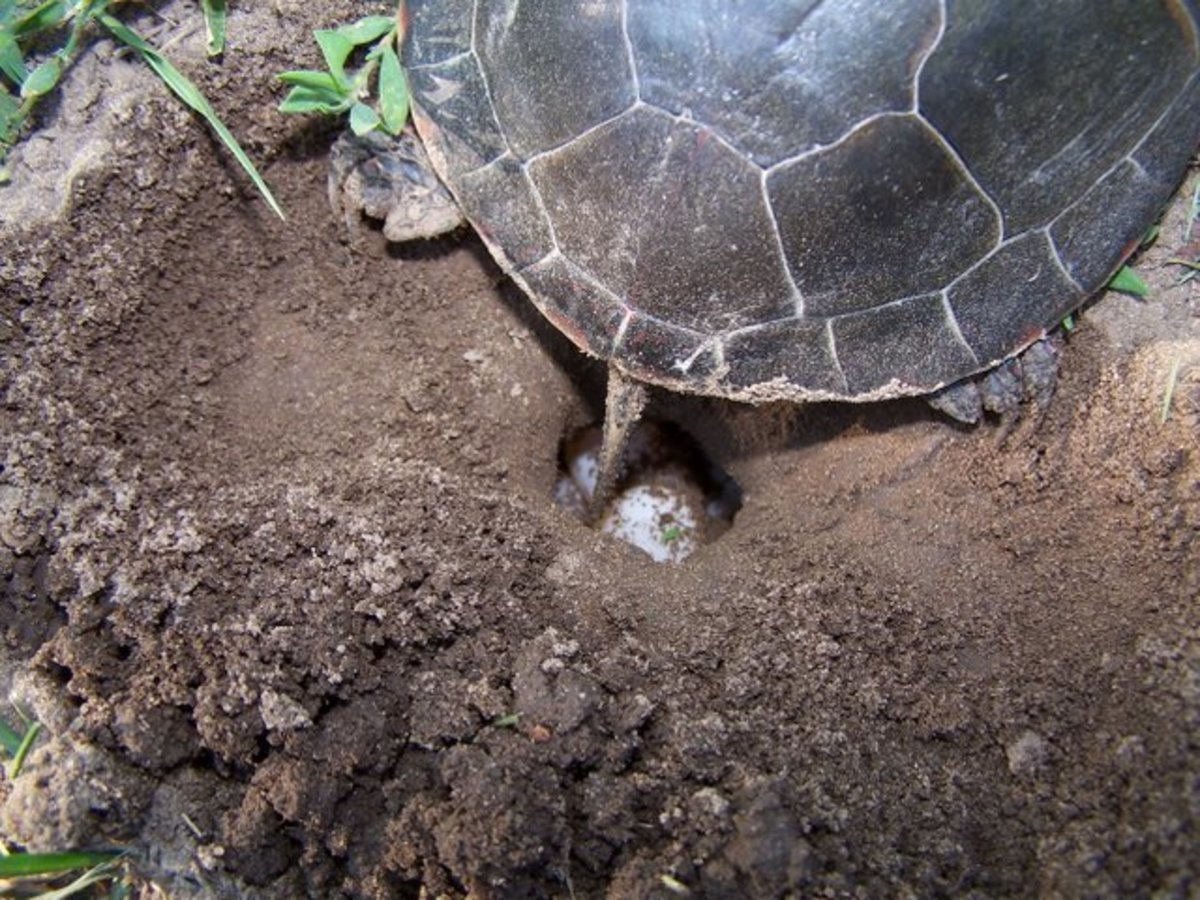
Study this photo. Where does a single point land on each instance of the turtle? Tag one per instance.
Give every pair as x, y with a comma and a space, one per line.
803, 200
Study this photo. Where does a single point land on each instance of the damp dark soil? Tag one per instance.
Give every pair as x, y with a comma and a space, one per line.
285, 581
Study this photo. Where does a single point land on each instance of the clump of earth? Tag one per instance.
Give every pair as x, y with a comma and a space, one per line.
286, 583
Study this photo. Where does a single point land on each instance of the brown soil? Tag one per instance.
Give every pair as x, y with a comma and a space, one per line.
286, 585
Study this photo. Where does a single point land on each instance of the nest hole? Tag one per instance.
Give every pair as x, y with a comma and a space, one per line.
671, 498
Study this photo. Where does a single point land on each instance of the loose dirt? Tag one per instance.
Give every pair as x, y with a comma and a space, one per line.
286, 584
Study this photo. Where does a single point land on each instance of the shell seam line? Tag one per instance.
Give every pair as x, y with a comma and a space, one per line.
943, 18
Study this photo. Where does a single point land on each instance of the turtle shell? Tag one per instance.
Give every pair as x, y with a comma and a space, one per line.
807, 200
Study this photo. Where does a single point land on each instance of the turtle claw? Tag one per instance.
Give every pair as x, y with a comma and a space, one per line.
1030, 377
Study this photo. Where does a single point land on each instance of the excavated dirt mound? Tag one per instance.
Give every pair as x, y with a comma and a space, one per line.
285, 582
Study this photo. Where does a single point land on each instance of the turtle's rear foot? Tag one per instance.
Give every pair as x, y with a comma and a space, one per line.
1029, 377
390, 179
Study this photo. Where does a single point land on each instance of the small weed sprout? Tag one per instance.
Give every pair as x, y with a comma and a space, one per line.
25, 24
1127, 281
15, 746
341, 89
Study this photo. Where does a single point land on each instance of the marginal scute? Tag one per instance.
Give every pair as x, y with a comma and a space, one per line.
1013, 298
1108, 221
884, 215
670, 219
647, 342
1167, 148
581, 309
910, 343
1040, 106
554, 69
789, 76
455, 117
794, 350
501, 199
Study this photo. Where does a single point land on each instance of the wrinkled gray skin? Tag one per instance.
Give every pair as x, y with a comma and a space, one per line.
390, 180
1029, 377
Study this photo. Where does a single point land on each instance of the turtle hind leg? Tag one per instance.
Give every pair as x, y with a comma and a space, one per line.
389, 179
623, 407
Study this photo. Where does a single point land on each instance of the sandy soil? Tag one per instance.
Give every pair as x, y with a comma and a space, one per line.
284, 580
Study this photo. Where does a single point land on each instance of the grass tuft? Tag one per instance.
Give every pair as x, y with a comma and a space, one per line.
24, 24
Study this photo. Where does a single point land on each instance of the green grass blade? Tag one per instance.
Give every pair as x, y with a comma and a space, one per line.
104, 872
214, 24
10, 740
190, 94
48, 15
11, 118
393, 92
13, 768
1169, 394
12, 61
23, 865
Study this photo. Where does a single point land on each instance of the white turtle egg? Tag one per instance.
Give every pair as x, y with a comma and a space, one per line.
662, 505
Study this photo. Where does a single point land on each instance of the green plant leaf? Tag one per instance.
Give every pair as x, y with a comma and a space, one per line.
336, 48
363, 119
22, 865
42, 80
301, 100
316, 81
1127, 281
367, 29
393, 92
48, 15
190, 94
214, 25
12, 62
